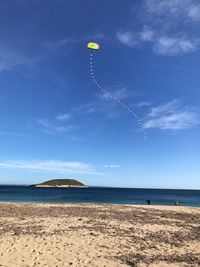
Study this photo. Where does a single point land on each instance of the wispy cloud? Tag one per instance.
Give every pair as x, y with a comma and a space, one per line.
104, 104
143, 104
167, 45
135, 38
171, 46
110, 108
63, 117
119, 92
172, 27
55, 46
51, 166
65, 123
85, 108
112, 166
178, 9
100, 108
52, 127
10, 59
58, 45
147, 35
172, 116
128, 38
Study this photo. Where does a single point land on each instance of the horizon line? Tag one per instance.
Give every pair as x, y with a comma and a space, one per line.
102, 186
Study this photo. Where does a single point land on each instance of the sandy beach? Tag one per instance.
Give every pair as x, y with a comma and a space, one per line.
98, 235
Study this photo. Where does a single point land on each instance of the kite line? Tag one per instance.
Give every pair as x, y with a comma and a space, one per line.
105, 92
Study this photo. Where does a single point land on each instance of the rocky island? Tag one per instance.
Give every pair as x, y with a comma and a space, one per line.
61, 183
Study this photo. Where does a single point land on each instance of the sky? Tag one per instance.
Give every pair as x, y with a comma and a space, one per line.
55, 123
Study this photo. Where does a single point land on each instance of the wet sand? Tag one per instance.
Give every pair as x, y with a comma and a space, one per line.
98, 235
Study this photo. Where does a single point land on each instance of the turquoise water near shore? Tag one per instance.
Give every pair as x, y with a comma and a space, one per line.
100, 195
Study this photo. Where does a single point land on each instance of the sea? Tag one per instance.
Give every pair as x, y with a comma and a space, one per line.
100, 195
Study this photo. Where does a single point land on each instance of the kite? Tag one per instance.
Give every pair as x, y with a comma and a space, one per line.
95, 46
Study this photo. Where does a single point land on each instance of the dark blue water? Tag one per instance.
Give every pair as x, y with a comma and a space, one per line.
100, 195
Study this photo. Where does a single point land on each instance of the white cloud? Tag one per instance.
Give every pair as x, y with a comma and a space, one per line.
52, 127
68, 123
112, 166
119, 92
171, 27
143, 104
128, 38
178, 9
171, 116
51, 166
63, 117
10, 59
55, 46
194, 12
104, 105
165, 44
147, 35
175, 46
165, 108
85, 108
134, 39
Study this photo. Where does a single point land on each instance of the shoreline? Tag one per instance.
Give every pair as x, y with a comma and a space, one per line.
101, 204
54, 234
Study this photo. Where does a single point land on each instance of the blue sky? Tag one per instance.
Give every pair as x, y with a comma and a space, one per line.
54, 121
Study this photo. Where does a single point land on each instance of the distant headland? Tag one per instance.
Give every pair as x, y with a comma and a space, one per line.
61, 183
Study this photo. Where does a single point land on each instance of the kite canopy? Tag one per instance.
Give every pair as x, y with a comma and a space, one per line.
93, 46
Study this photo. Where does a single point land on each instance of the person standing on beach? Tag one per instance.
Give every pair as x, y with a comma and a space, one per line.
148, 202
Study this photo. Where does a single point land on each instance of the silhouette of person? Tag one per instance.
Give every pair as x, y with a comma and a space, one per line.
176, 203
148, 202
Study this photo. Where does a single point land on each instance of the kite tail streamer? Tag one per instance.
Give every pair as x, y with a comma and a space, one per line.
114, 98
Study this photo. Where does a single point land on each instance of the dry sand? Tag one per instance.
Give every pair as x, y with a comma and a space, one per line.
98, 235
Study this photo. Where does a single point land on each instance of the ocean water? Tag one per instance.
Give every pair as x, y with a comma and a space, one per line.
100, 195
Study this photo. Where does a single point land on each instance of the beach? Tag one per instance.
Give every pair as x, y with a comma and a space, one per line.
98, 235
